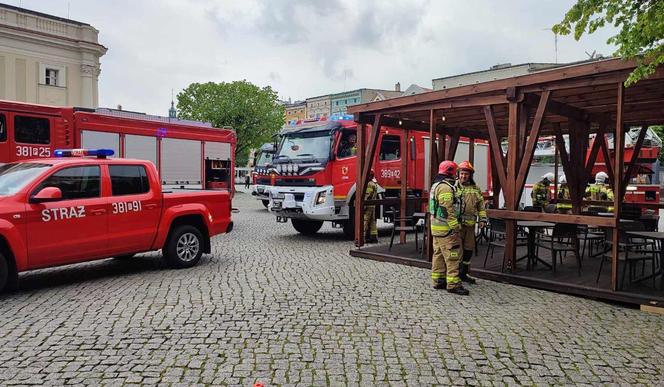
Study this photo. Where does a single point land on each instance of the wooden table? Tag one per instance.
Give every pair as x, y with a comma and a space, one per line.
533, 226
659, 238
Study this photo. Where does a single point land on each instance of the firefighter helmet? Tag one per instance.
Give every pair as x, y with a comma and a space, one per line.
372, 173
601, 177
548, 176
467, 166
447, 168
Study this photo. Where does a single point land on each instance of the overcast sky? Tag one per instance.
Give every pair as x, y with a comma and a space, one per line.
309, 48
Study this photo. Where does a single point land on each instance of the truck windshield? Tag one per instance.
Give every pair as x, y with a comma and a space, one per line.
264, 158
15, 176
300, 146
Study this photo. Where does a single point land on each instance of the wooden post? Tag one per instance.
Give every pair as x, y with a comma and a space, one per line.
510, 198
403, 212
619, 142
471, 151
359, 196
433, 172
555, 172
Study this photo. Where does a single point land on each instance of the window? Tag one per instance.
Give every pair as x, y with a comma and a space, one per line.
3, 128
347, 145
51, 77
75, 182
390, 148
32, 130
128, 179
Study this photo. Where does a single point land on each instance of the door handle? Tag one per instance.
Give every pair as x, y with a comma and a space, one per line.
98, 212
150, 206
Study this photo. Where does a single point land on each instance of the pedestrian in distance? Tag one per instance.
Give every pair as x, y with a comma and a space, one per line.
445, 229
472, 212
540, 194
247, 181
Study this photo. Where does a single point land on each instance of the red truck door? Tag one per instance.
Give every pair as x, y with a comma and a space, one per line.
344, 167
74, 228
135, 209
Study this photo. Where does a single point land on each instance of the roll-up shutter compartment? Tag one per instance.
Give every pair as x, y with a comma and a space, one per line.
141, 147
217, 151
181, 162
91, 139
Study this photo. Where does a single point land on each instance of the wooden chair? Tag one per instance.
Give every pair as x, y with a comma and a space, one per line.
497, 235
410, 225
630, 252
563, 239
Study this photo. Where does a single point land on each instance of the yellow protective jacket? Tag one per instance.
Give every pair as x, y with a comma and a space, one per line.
599, 192
563, 193
540, 194
443, 207
471, 204
372, 191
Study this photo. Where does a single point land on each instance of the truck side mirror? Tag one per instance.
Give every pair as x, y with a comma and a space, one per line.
47, 194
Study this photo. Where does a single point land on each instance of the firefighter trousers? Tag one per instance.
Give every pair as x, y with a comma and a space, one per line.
369, 224
446, 260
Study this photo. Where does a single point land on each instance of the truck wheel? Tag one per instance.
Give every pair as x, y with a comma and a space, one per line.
307, 227
184, 247
265, 203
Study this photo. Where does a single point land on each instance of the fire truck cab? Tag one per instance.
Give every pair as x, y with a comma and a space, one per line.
313, 172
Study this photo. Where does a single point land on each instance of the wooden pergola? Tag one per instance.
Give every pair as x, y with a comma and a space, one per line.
576, 100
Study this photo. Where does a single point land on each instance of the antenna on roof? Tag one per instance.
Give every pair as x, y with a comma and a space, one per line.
555, 41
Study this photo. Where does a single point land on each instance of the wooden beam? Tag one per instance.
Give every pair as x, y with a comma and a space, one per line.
559, 108
359, 198
560, 144
496, 150
618, 147
432, 172
442, 145
369, 154
452, 145
529, 150
600, 221
633, 162
594, 151
470, 101
511, 200
604, 148
471, 151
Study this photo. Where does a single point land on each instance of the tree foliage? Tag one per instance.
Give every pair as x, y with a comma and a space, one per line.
641, 29
252, 111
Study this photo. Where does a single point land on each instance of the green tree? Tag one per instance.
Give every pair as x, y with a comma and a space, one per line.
252, 111
640, 24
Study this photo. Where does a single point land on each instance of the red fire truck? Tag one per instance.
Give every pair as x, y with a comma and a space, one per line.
187, 154
259, 175
314, 169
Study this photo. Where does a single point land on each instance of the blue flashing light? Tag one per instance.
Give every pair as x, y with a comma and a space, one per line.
161, 132
100, 153
342, 117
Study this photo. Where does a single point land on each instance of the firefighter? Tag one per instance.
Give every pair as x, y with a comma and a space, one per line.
472, 211
563, 194
445, 228
369, 216
599, 190
540, 193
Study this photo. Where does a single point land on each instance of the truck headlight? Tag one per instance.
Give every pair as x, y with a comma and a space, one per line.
290, 168
320, 197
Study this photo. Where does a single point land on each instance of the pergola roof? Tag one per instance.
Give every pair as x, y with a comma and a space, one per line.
583, 92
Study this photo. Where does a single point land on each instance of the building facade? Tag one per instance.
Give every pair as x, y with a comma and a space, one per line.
339, 102
501, 71
47, 59
318, 107
295, 111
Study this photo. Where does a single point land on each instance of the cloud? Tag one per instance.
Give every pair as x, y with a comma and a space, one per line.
306, 48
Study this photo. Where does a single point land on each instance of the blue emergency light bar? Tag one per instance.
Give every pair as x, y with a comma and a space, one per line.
99, 153
340, 117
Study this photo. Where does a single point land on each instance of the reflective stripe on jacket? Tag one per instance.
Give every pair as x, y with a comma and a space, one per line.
472, 204
442, 206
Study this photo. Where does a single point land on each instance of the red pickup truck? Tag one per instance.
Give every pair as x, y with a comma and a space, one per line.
66, 210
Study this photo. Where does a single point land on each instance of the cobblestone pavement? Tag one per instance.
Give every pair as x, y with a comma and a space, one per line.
272, 306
